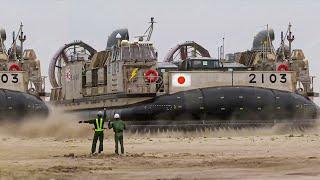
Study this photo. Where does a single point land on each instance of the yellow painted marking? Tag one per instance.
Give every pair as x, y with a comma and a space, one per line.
134, 73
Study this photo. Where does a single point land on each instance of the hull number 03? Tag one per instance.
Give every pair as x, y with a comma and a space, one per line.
13, 78
272, 78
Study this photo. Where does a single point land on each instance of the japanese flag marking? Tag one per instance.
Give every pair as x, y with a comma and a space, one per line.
181, 80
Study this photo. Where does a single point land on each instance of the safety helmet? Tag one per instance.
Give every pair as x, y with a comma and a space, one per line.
99, 113
116, 116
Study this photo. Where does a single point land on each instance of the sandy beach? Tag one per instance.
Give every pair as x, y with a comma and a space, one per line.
63, 153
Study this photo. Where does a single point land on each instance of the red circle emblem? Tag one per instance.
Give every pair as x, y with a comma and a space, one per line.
181, 80
283, 67
15, 67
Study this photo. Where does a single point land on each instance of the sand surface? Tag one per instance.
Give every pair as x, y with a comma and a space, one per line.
226, 154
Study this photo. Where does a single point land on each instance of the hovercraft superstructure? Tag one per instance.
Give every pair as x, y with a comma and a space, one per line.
189, 88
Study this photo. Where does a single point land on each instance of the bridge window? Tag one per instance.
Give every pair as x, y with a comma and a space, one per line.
197, 64
205, 64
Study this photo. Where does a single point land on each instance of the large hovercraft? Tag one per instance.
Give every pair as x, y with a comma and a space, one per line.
21, 83
189, 89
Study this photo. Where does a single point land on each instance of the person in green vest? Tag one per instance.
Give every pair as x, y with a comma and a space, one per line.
118, 126
98, 130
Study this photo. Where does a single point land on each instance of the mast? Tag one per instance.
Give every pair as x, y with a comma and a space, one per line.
290, 38
22, 38
222, 52
221, 56
150, 29
14, 46
282, 46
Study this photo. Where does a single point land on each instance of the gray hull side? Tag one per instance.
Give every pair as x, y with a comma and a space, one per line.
220, 105
17, 105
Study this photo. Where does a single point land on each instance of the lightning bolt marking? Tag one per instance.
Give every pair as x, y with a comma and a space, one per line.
134, 73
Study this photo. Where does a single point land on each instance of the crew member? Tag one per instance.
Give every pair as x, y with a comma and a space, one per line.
98, 130
118, 126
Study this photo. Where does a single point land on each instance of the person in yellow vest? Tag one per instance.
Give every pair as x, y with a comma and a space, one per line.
98, 130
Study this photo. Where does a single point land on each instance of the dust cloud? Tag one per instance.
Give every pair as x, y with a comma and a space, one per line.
59, 125
63, 125
231, 132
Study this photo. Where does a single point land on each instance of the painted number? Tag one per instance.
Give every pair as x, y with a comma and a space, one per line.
5, 78
253, 76
283, 78
15, 78
273, 78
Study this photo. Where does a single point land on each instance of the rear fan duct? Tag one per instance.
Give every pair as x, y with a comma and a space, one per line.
76, 51
261, 40
112, 39
186, 50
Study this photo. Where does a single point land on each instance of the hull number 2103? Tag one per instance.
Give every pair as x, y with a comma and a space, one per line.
266, 78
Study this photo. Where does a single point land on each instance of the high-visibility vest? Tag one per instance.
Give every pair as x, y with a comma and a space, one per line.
99, 125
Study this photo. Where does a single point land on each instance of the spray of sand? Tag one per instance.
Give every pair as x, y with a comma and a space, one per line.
62, 125
58, 125
279, 129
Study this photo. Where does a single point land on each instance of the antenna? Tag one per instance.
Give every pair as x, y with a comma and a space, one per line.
22, 38
222, 49
14, 46
290, 38
150, 29
282, 46
268, 40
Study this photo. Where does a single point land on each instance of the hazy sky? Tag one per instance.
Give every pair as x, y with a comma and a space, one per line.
50, 24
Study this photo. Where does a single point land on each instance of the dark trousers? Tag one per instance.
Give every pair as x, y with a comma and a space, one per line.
118, 138
97, 135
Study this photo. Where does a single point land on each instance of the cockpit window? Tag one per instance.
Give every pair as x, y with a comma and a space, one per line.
205, 64
197, 64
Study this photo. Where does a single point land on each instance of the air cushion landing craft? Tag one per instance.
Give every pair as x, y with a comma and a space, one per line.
21, 83
17, 105
189, 89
